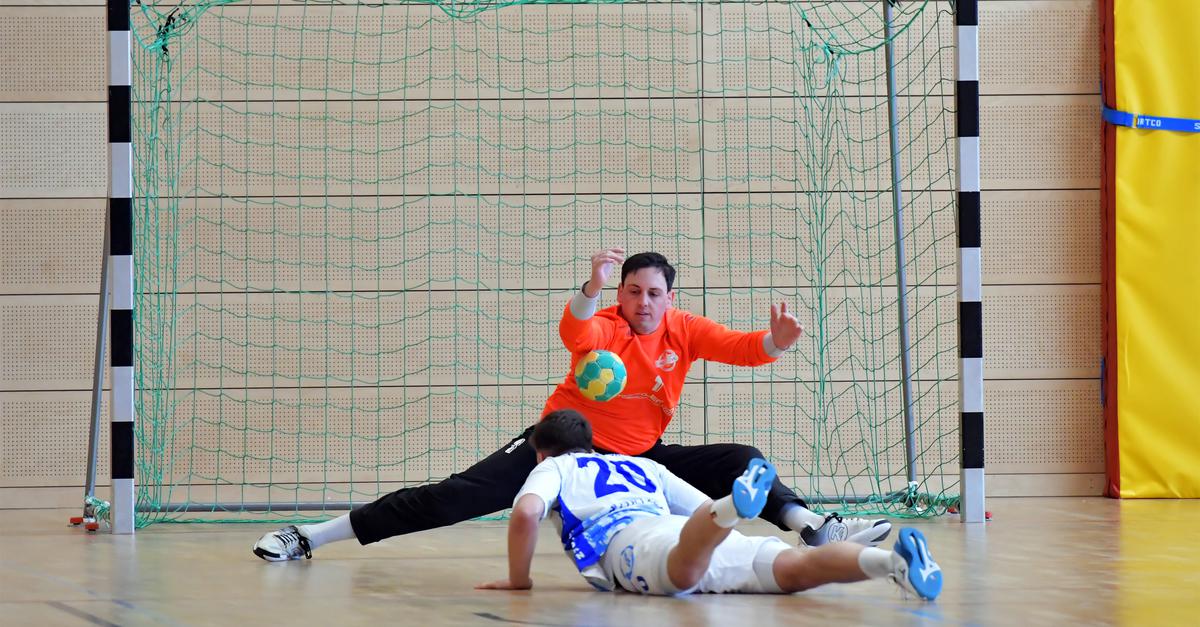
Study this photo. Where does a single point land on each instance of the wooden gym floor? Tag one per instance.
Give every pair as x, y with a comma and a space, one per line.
1048, 561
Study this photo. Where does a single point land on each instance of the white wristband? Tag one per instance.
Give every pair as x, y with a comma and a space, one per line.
583, 306
770, 347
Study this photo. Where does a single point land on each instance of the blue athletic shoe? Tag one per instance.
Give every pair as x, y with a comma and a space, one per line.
750, 490
915, 571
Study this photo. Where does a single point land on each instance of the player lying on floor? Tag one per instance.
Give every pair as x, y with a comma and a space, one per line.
629, 522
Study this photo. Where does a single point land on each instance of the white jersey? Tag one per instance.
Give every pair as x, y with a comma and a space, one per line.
594, 496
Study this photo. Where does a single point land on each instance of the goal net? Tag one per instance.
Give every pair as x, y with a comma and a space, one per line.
356, 227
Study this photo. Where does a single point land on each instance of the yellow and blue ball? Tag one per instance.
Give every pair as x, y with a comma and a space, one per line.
600, 375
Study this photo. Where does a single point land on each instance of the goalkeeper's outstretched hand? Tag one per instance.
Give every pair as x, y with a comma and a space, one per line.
785, 328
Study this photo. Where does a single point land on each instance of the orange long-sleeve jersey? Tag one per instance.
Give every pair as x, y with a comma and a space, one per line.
656, 365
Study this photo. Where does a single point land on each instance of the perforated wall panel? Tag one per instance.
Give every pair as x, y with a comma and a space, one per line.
1042, 47
625, 50
855, 350
827, 417
418, 243
777, 230
51, 246
53, 150
444, 147
1042, 331
52, 54
1044, 427
1063, 130
48, 342
749, 143
751, 49
44, 438
1042, 237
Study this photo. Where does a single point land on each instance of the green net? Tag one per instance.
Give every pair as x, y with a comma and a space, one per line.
357, 226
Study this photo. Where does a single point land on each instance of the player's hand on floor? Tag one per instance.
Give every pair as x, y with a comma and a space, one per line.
504, 584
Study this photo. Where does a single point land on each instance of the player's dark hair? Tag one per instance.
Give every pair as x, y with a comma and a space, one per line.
562, 431
649, 260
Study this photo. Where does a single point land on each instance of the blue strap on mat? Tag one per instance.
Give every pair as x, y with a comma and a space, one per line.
1151, 122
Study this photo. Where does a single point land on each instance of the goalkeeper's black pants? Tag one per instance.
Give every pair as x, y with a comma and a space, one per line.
491, 485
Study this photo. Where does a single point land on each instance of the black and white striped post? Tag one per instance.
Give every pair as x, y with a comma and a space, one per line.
120, 265
970, 274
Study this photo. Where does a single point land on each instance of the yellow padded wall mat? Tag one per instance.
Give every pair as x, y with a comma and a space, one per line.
1156, 48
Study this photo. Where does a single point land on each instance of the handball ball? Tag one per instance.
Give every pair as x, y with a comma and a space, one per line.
600, 375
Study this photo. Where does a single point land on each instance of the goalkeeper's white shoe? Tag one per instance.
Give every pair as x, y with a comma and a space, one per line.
282, 545
867, 532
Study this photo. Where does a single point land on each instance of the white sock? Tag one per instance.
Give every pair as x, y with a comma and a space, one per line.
798, 518
329, 531
875, 563
724, 513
